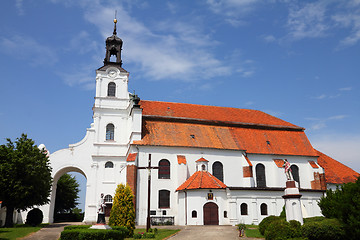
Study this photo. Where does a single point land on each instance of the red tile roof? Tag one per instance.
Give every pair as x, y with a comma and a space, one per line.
181, 159
201, 160
202, 180
336, 172
253, 140
211, 113
313, 164
131, 157
279, 162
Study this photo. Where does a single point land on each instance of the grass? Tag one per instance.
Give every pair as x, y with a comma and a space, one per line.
18, 231
253, 231
161, 234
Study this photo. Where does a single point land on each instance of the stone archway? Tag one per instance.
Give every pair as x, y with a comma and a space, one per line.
211, 214
56, 177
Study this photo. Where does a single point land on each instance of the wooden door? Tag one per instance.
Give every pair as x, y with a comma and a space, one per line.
108, 209
211, 214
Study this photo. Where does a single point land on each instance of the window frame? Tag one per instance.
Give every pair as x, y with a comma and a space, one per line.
164, 198
111, 89
260, 175
263, 209
164, 171
110, 132
109, 164
218, 170
244, 209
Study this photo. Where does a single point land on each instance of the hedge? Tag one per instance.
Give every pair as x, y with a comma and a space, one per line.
266, 222
281, 229
94, 234
324, 230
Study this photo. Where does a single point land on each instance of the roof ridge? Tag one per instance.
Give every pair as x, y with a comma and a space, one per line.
191, 180
214, 179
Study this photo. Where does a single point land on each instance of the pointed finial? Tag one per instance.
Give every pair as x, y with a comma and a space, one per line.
115, 21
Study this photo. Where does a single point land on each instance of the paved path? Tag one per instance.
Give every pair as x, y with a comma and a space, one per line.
207, 232
50, 232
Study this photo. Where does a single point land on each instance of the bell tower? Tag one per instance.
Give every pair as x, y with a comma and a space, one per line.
113, 48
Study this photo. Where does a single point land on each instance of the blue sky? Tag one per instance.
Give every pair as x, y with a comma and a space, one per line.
296, 60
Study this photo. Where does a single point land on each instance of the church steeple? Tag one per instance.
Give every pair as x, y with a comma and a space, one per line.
113, 48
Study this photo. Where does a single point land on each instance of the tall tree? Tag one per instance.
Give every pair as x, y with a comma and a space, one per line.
123, 212
67, 194
25, 176
344, 204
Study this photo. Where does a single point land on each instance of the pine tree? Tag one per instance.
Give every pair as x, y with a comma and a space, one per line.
123, 212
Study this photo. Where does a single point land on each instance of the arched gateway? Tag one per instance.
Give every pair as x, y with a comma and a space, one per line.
211, 214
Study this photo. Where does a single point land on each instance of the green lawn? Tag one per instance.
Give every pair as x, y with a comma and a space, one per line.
253, 231
161, 234
17, 232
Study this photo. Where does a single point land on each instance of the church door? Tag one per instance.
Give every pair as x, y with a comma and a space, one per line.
211, 214
108, 209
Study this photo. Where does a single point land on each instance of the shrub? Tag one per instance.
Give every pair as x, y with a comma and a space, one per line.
281, 229
283, 212
148, 235
265, 223
326, 229
241, 226
90, 234
34, 217
314, 219
123, 212
137, 236
77, 227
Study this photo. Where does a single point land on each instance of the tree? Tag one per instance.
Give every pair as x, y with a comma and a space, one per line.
25, 176
67, 194
344, 204
123, 212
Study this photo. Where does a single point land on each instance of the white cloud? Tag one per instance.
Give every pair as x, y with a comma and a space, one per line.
184, 53
320, 123
232, 7
82, 77
19, 7
269, 38
307, 21
343, 148
346, 88
322, 96
25, 48
352, 21
82, 43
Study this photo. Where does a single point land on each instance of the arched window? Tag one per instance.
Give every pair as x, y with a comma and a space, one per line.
108, 199
225, 214
260, 175
109, 164
244, 209
194, 214
164, 199
203, 168
164, 169
263, 209
110, 131
217, 169
111, 89
295, 173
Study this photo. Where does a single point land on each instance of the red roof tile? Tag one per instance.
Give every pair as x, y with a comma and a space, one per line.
313, 164
336, 172
248, 161
202, 180
279, 162
181, 159
253, 140
201, 160
131, 157
211, 113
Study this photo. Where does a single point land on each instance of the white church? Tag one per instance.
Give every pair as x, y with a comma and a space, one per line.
214, 165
